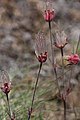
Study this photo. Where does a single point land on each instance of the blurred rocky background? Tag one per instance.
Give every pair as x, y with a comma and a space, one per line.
20, 20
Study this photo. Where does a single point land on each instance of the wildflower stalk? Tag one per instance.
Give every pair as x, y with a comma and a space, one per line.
64, 102
78, 45
9, 111
57, 79
52, 50
62, 62
34, 92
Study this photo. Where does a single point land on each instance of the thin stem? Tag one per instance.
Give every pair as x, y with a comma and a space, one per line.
9, 111
33, 97
71, 72
57, 79
64, 102
74, 112
52, 50
62, 52
64, 74
62, 63
78, 45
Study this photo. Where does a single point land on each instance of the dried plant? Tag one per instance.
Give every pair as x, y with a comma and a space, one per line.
41, 53
6, 87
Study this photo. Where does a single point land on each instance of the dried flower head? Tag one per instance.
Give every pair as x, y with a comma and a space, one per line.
49, 12
73, 58
40, 47
60, 39
6, 83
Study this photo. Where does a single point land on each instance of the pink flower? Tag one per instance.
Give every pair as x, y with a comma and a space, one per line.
49, 15
5, 86
49, 12
42, 57
40, 47
73, 58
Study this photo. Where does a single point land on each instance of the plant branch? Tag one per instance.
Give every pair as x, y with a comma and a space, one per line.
64, 102
9, 111
62, 63
78, 45
52, 50
33, 97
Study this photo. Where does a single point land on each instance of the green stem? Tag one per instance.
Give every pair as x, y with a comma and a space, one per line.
33, 97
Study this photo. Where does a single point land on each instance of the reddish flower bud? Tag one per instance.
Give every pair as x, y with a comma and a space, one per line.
60, 39
40, 48
42, 57
73, 58
5, 87
49, 12
49, 15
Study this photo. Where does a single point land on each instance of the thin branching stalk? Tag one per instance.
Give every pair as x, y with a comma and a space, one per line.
52, 50
33, 97
73, 48
57, 82
64, 102
62, 60
71, 73
9, 111
59, 77
78, 43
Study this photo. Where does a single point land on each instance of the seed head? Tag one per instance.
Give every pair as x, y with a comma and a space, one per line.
60, 39
40, 47
5, 82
